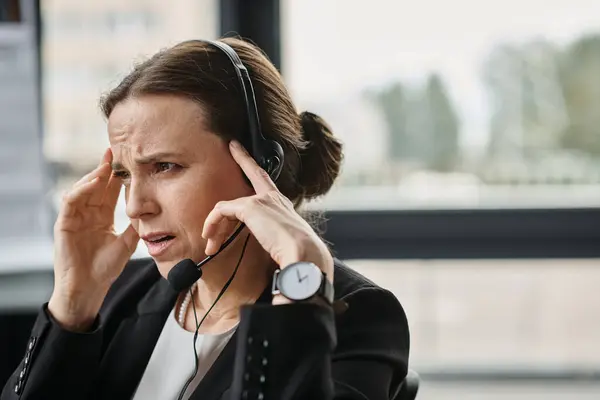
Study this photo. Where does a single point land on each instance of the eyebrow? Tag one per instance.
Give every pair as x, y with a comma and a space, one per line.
144, 160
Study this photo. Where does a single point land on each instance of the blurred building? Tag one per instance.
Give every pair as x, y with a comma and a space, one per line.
87, 47
24, 211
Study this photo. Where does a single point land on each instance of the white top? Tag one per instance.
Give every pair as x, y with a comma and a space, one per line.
172, 361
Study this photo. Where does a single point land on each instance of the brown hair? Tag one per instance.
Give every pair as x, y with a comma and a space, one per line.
198, 71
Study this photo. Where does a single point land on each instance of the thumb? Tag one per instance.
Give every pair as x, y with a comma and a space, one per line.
129, 239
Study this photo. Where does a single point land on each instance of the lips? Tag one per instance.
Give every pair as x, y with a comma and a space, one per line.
159, 238
158, 243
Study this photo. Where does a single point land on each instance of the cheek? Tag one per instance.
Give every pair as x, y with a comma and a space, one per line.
191, 200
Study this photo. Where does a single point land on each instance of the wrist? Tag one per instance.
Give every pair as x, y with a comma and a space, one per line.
321, 258
74, 313
280, 299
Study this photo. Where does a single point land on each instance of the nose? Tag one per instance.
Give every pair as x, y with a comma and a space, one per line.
140, 200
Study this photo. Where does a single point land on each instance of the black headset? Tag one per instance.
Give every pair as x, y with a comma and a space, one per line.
268, 154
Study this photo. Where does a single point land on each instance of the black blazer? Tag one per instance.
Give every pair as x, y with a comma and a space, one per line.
294, 351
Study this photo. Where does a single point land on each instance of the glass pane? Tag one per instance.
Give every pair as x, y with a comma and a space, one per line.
486, 315
453, 104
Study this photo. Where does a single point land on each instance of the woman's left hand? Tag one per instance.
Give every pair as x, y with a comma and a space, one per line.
271, 218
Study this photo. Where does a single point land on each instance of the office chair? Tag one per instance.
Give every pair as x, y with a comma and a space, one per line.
409, 387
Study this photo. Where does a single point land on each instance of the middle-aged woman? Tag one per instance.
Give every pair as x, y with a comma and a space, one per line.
116, 328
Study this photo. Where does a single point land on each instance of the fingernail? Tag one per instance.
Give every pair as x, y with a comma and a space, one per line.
235, 144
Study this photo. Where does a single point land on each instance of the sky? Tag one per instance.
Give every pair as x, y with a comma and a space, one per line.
333, 48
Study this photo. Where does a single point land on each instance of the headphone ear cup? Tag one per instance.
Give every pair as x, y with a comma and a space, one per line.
274, 162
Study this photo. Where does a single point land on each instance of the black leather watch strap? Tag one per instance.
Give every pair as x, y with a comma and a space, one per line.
326, 290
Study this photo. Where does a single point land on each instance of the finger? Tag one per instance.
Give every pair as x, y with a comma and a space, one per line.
213, 244
216, 239
258, 177
129, 240
99, 170
77, 196
106, 157
106, 160
112, 192
103, 177
223, 211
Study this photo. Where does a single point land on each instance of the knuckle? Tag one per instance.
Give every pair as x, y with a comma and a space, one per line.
256, 201
268, 198
273, 195
286, 201
68, 198
276, 197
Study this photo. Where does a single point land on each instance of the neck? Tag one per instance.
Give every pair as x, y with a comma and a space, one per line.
251, 278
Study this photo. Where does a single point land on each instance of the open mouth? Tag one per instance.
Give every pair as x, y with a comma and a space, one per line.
162, 239
158, 245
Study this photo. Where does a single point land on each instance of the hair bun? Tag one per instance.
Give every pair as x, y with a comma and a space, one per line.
321, 159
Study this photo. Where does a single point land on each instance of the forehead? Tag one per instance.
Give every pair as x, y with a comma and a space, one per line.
155, 122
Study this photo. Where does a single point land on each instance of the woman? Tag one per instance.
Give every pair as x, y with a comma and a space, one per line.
116, 328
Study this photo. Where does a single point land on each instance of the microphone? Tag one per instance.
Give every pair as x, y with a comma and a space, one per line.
186, 272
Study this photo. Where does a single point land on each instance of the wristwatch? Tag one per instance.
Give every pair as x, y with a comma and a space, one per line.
301, 281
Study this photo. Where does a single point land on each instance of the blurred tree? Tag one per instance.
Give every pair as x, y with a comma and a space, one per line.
528, 108
422, 124
544, 99
580, 78
393, 103
443, 136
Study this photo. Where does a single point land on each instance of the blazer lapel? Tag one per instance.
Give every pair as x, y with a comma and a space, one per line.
218, 379
126, 357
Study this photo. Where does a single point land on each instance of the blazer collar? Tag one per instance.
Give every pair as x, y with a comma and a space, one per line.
220, 376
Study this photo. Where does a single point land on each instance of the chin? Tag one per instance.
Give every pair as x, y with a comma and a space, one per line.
165, 266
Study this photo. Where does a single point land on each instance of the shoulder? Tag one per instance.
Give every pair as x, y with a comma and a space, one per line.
350, 285
346, 281
364, 295
374, 321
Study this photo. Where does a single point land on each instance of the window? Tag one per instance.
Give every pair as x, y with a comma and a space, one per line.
453, 104
130, 22
472, 176
490, 314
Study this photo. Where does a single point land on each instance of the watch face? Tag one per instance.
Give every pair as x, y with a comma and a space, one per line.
300, 281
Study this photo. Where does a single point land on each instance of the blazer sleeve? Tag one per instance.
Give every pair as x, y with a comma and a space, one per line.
303, 351
57, 363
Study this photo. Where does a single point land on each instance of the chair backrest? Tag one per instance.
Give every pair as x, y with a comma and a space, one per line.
409, 387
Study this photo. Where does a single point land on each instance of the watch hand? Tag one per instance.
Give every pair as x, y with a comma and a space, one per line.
305, 276
299, 277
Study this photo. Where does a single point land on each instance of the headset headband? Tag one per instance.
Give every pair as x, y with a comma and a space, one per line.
256, 136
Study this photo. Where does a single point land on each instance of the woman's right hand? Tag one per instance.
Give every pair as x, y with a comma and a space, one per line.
88, 254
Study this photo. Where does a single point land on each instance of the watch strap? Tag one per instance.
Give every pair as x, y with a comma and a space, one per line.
326, 289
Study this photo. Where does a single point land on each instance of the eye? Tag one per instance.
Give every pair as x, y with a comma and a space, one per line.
122, 175
165, 166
